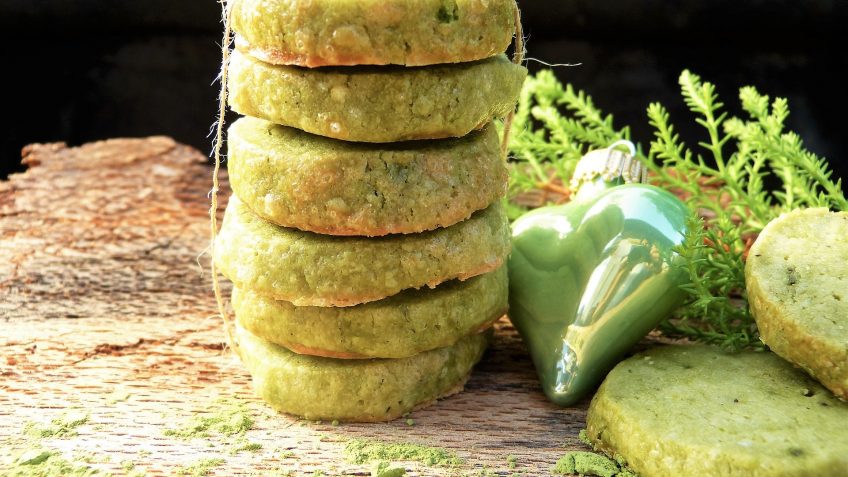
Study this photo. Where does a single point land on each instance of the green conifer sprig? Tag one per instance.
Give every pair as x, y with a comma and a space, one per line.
722, 181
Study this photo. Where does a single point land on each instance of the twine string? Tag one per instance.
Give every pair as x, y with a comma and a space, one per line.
216, 148
517, 58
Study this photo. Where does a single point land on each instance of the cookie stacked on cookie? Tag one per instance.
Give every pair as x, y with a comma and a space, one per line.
365, 237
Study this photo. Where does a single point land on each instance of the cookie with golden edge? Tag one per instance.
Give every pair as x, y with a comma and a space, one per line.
365, 390
296, 179
700, 412
309, 269
378, 103
797, 282
373, 32
400, 326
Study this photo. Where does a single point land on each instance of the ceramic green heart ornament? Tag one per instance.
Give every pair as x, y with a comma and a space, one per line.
590, 278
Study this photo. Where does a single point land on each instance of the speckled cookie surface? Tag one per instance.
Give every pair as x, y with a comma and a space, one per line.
322, 185
309, 269
797, 281
376, 104
405, 324
696, 411
403, 32
356, 390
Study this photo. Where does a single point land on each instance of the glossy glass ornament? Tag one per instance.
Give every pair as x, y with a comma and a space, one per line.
590, 278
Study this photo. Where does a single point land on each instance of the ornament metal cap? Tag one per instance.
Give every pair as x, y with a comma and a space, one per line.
610, 164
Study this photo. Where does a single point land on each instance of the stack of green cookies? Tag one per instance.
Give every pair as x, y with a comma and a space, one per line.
365, 237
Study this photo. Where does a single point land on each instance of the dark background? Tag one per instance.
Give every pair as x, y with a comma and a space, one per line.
77, 71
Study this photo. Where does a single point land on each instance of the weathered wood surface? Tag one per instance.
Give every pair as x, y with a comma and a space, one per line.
106, 308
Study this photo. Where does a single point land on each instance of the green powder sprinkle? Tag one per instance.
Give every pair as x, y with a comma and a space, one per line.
244, 445
199, 468
585, 463
47, 463
90, 457
335, 422
63, 426
511, 461
485, 472
360, 451
34, 456
385, 469
584, 438
232, 418
410, 422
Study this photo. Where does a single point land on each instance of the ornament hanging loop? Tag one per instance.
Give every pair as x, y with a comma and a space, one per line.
610, 164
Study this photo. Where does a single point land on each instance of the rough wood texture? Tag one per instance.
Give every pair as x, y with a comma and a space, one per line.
106, 308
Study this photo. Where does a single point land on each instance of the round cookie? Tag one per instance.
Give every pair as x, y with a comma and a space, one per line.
403, 325
378, 103
365, 390
373, 32
322, 185
797, 281
696, 411
309, 269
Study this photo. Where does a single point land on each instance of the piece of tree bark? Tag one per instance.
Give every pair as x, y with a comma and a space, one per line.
106, 307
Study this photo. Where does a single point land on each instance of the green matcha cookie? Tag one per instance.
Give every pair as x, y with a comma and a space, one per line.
397, 327
403, 32
322, 185
378, 103
309, 269
797, 281
356, 389
698, 412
